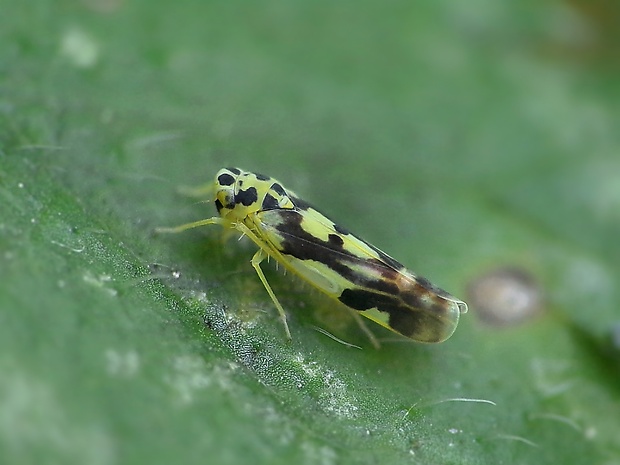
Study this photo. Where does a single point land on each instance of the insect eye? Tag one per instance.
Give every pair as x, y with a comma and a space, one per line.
226, 198
230, 201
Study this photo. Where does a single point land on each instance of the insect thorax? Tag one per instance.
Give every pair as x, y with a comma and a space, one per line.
239, 194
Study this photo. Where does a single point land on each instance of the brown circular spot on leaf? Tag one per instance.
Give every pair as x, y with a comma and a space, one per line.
505, 296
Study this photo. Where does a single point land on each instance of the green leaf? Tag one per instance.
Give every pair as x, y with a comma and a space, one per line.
463, 140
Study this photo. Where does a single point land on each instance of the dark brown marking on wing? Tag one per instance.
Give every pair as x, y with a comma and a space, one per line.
362, 299
336, 241
401, 318
300, 244
411, 298
385, 258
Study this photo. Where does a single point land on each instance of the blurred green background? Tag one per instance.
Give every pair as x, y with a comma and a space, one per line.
463, 138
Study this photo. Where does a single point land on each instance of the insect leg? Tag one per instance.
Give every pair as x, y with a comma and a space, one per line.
195, 224
362, 324
200, 192
258, 257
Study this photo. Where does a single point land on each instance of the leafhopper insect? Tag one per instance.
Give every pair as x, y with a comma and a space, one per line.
329, 257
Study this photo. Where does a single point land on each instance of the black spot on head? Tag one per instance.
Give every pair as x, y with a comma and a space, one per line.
218, 205
270, 203
247, 197
336, 241
261, 177
278, 189
236, 171
225, 179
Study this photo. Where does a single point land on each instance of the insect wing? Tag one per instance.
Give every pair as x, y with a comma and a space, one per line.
358, 274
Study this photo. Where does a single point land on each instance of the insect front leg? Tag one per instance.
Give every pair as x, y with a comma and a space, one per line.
195, 224
258, 257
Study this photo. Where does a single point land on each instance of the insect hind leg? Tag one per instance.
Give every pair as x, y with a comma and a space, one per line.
258, 257
365, 329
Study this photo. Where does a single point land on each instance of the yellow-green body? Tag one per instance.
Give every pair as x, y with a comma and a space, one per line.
330, 258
